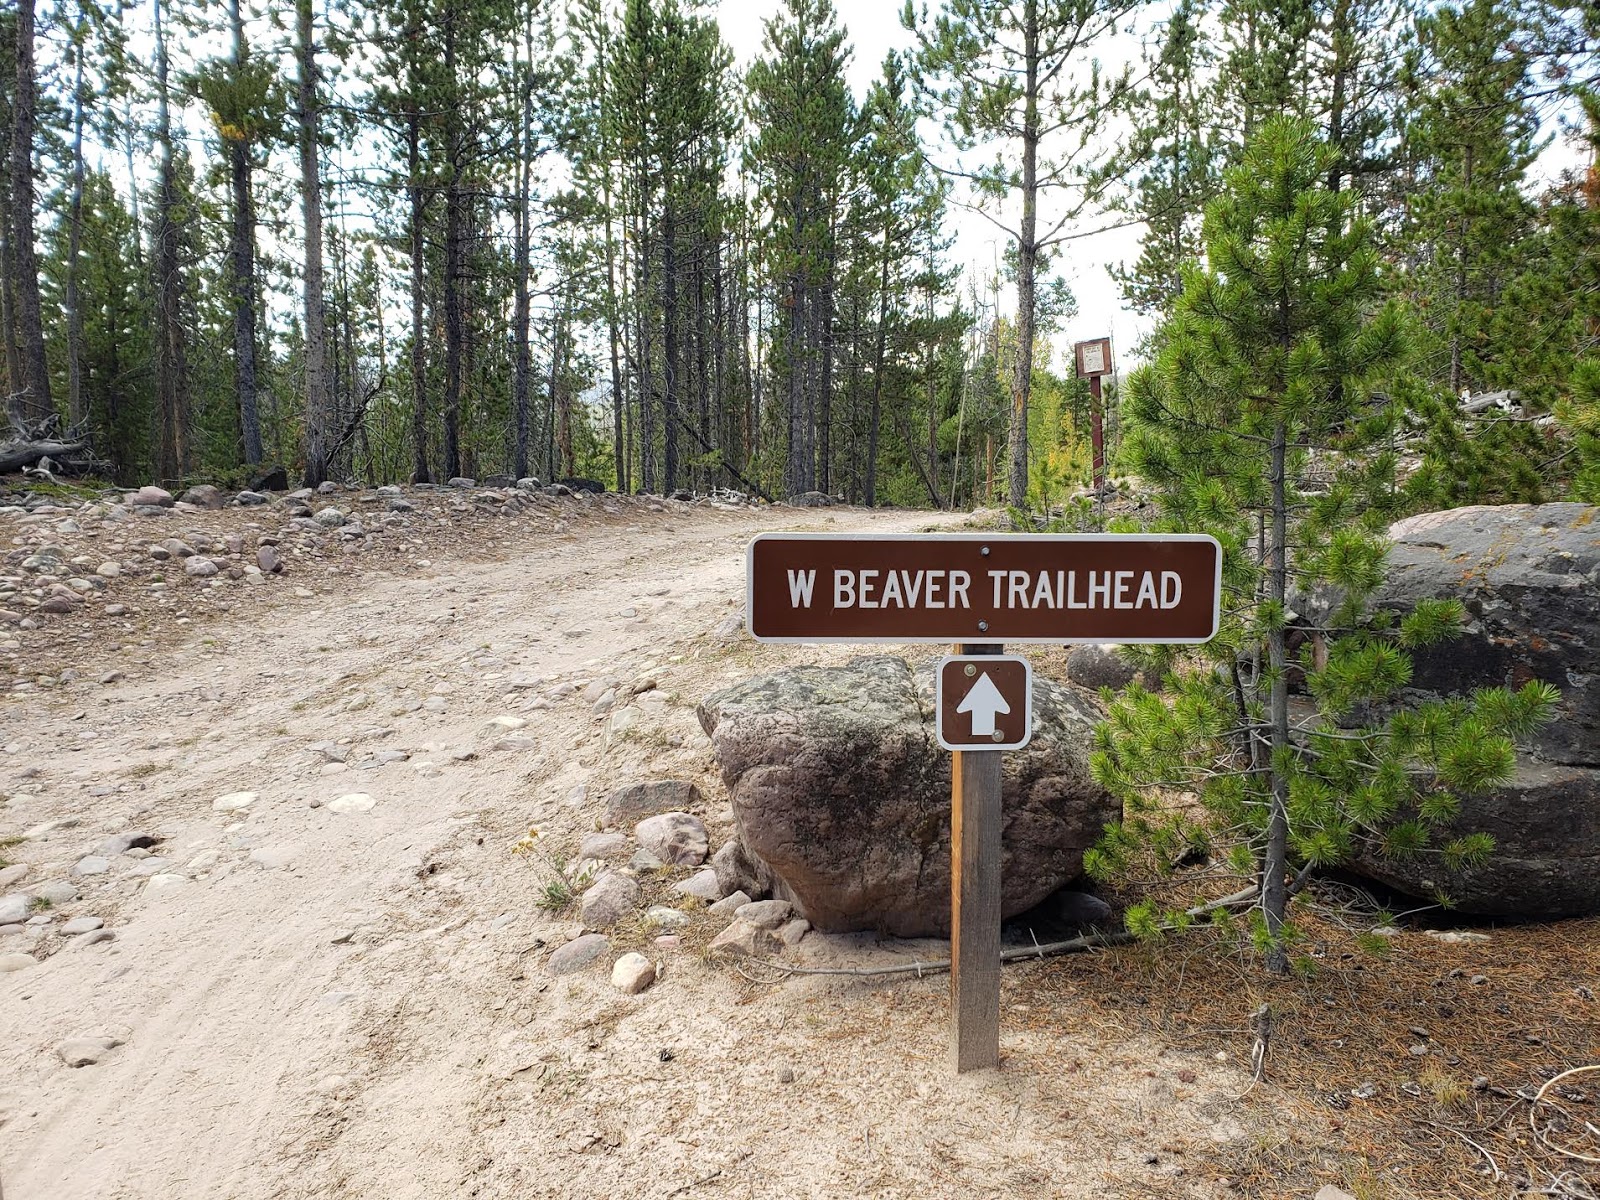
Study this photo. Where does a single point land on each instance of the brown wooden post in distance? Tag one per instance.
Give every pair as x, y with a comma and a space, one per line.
975, 902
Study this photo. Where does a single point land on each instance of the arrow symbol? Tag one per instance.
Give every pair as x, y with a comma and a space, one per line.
983, 701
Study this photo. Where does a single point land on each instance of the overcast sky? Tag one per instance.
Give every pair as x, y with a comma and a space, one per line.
874, 29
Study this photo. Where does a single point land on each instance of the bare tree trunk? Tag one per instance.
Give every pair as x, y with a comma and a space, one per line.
419, 352
172, 365
521, 320
77, 405
240, 170
672, 349
319, 432
453, 234
876, 422
1275, 864
1027, 260
31, 402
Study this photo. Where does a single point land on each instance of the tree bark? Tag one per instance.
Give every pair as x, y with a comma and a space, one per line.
172, 365
419, 352
244, 255
1027, 260
77, 405
1275, 863
32, 401
240, 171
453, 234
521, 320
875, 423
319, 430
671, 349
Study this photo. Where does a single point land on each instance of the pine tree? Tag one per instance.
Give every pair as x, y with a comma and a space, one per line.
805, 120
1018, 76
1260, 423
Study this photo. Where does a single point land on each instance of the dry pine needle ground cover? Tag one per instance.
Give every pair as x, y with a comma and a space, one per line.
1401, 1068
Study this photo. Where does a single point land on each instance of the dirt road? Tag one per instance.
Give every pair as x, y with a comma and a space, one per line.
313, 1002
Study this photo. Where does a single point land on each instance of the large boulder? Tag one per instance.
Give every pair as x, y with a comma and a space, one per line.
1529, 579
841, 794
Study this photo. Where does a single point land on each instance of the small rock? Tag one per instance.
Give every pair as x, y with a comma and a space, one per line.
744, 940
234, 801
91, 864
674, 837
730, 904
199, 567
1329, 1192
15, 873
149, 496
86, 1051
1455, 937
735, 873
249, 499
352, 802
608, 900
636, 800
16, 962
95, 938
267, 559
203, 495
633, 973
578, 953
15, 908
81, 925
108, 570
702, 885
666, 918
57, 892
644, 862
785, 1075
603, 846
330, 518
766, 914
793, 931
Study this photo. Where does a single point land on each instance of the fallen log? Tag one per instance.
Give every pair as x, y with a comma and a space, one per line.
16, 455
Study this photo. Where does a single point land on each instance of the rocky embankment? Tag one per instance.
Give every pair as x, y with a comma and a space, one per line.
141, 564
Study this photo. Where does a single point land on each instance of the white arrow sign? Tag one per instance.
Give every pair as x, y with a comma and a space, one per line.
984, 702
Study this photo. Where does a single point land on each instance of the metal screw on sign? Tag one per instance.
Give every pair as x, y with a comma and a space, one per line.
971, 670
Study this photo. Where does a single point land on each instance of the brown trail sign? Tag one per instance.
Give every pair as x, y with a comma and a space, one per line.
981, 590
1055, 588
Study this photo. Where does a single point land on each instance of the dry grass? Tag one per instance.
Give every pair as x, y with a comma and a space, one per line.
1348, 1098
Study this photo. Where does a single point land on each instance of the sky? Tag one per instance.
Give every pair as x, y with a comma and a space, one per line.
874, 29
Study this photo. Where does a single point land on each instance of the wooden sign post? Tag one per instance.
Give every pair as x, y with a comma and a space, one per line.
979, 591
975, 823
1094, 362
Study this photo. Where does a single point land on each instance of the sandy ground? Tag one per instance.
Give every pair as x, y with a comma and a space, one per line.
315, 1003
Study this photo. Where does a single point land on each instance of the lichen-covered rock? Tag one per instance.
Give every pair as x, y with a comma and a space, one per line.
674, 837
1529, 579
841, 794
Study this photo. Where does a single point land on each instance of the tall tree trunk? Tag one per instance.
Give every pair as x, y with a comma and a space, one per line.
1275, 864
453, 235
419, 352
319, 431
621, 458
12, 358
521, 320
875, 423
77, 405
825, 375
794, 368
172, 362
1027, 261
31, 402
671, 348
240, 171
